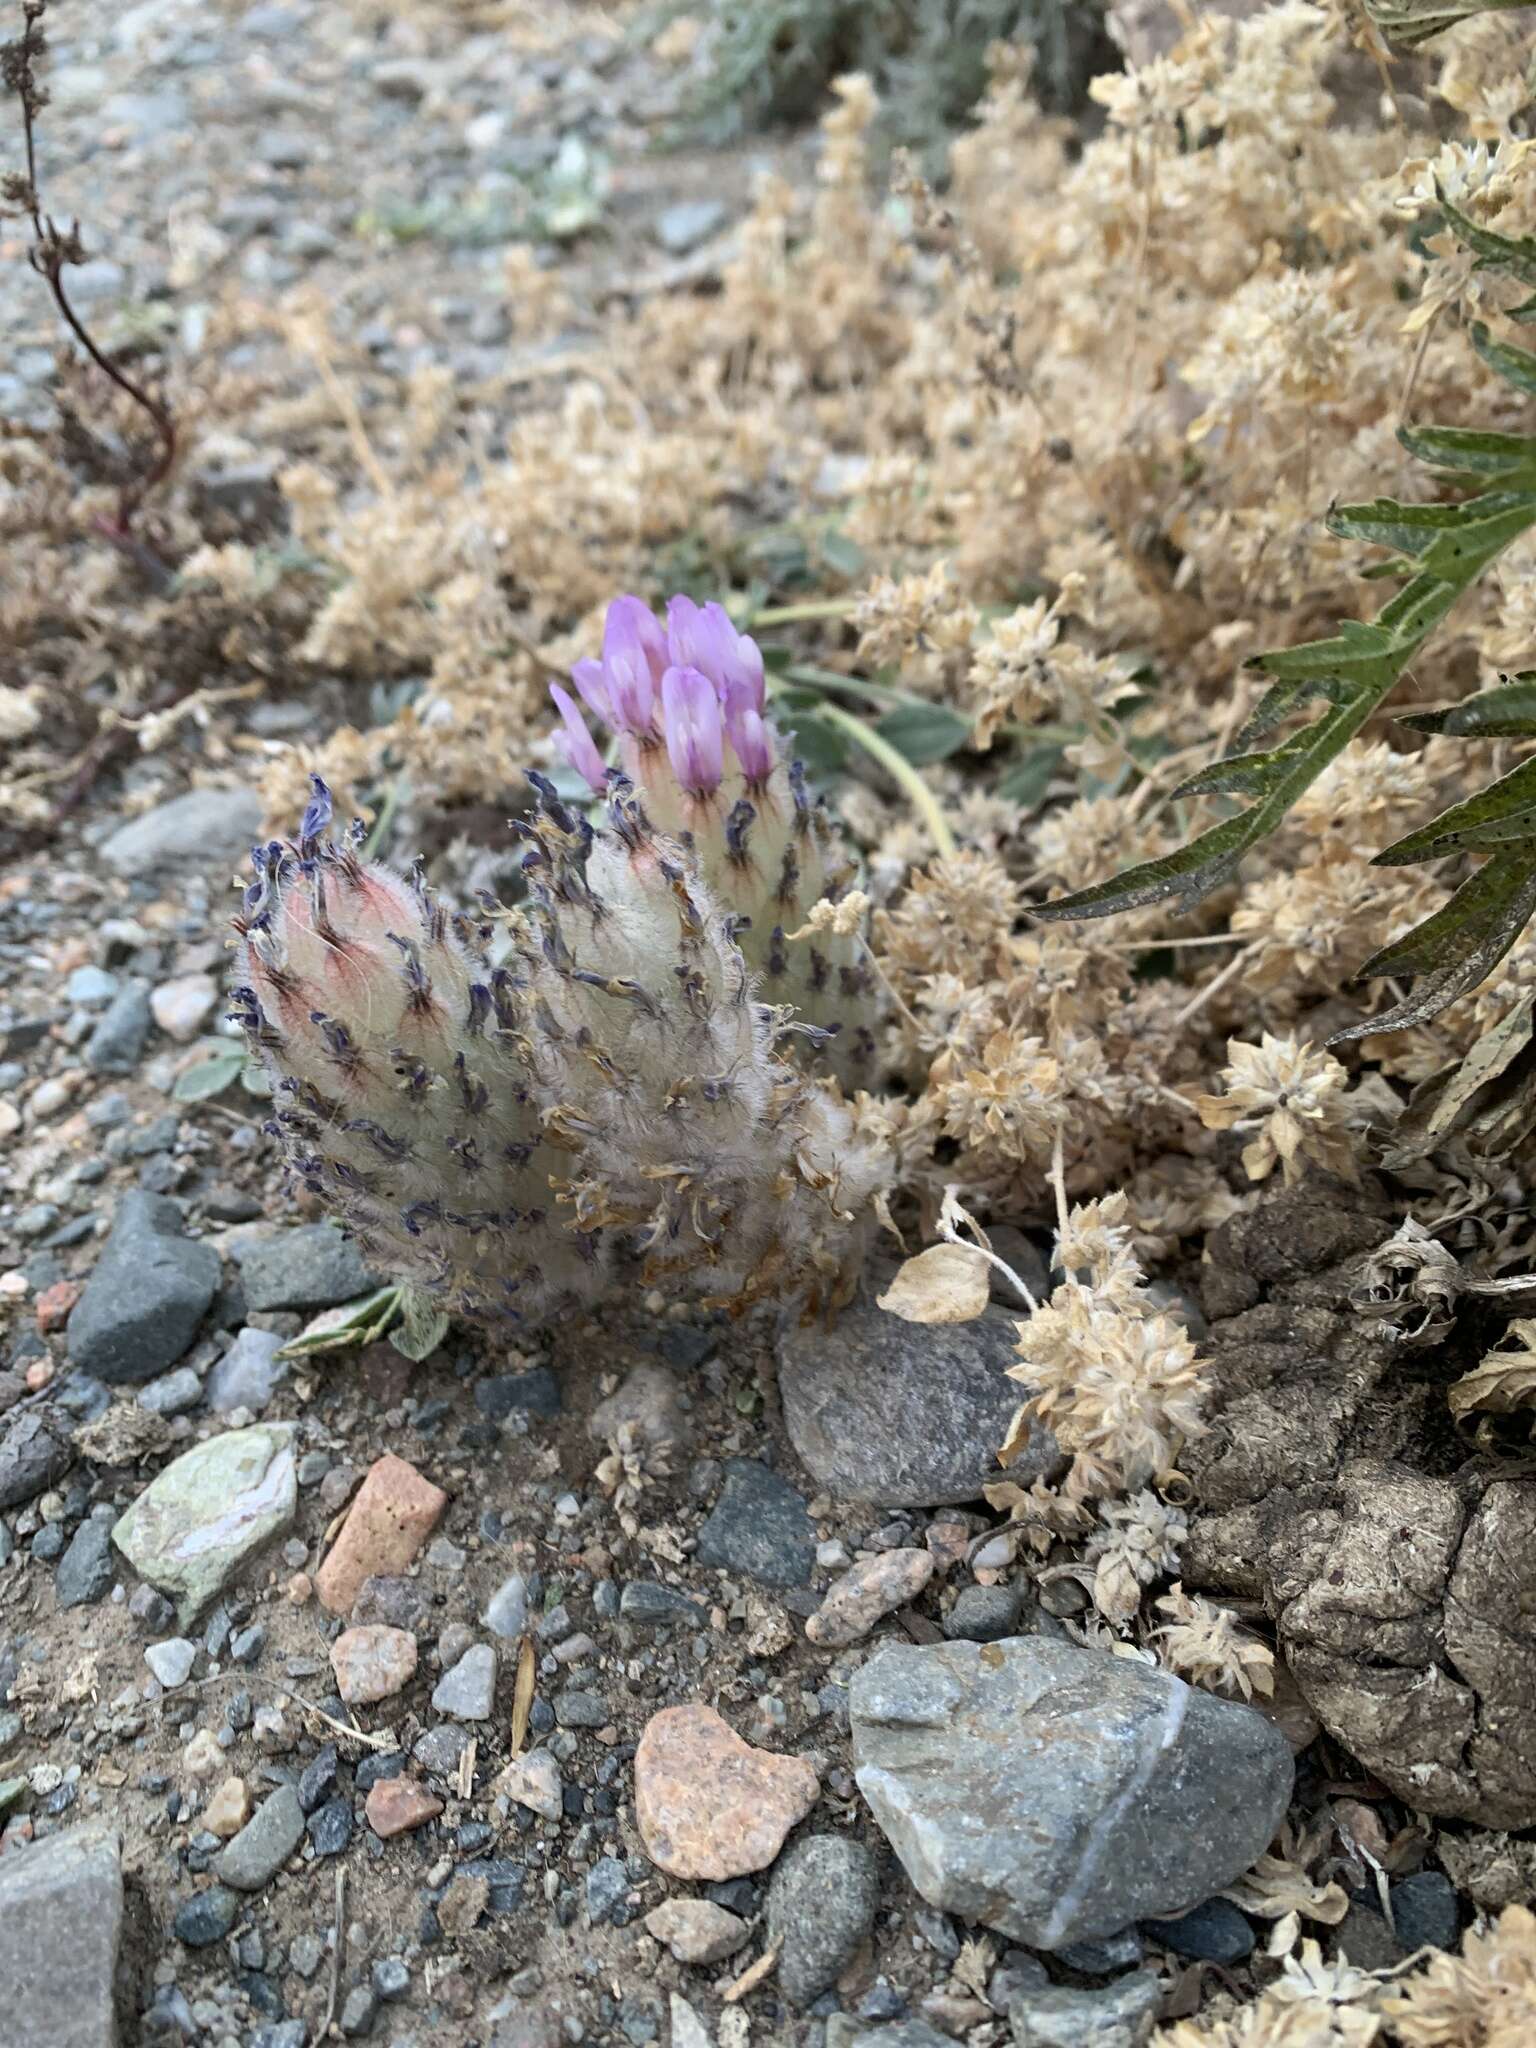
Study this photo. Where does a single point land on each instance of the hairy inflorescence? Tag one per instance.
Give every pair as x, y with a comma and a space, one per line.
497, 1102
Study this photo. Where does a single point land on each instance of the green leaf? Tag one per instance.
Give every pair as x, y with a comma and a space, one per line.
1471, 450
819, 745
1412, 22
1409, 529
842, 555
1516, 366
353, 1324
1506, 713
226, 1058
1029, 778
1459, 946
423, 1325
1495, 251
924, 733
1506, 811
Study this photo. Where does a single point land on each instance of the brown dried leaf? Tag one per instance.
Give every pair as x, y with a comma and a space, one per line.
1505, 1380
948, 1283
522, 1693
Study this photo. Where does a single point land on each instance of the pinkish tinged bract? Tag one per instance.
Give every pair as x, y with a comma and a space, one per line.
499, 1105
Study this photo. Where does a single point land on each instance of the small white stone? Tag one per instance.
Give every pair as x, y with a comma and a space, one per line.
172, 1660
182, 1007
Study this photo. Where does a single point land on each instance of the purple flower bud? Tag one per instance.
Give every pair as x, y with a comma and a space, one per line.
751, 741
317, 816
589, 678
691, 721
634, 656
575, 742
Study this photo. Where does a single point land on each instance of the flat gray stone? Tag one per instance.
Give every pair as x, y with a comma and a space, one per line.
85, 1570
34, 1451
171, 1661
147, 1294
1059, 1794
117, 1044
946, 1381
821, 1904
193, 1527
205, 824
312, 1267
759, 1526
506, 1612
61, 1918
254, 1857
468, 1690
248, 1373
1118, 2015
688, 222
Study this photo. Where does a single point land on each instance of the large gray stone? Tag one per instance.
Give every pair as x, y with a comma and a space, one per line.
34, 1451
147, 1294
194, 1526
905, 1414
205, 824
821, 1904
85, 1569
61, 1918
1057, 1793
264, 1844
313, 1267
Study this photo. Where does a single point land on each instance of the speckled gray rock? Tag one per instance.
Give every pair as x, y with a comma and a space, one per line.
468, 1691
947, 1382
1118, 2015
312, 1267
205, 824
117, 1044
61, 1917
146, 1295
192, 1528
759, 1526
1058, 1793
247, 1373
821, 1905
264, 1844
34, 1451
85, 1570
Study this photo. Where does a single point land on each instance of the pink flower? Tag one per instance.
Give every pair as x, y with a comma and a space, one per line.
590, 679
692, 725
751, 741
576, 743
703, 637
634, 656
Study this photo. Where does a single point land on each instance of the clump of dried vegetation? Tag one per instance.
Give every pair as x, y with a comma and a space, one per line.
1012, 478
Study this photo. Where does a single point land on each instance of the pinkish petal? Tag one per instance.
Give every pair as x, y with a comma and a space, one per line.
590, 679
751, 741
691, 722
634, 656
575, 742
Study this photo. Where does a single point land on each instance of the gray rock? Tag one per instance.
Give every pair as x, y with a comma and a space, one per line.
1059, 1794
688, 222
947, 1381
173, 1393
206, 1918
534, 1392
61, 1918
171, 1661
905, 2034
1364, 1937
1118, 2015
439, 1749
506, 1612
759, 1526
1103, 1954
1425, 1911
654, 1606
313, 1267
205, 824
33, 1453
117, 1044
247, 1373
390, 1977
264, 1844
146, 1295
199, 1520
91, 987
607, 1889
359, 2011
85, 1569
983, 1614
468, 1691
821, 1905
1215, 1932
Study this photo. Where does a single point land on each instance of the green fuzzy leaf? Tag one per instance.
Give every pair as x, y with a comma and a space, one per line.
1504, 812
1027, 781
211, 1076
1412, 22
1386, 523
1472, 451
1507, 713
346, 1328
1242, 774
1451, 952
820, 746
1493, 251
924, 733
1516, 366
423, 1325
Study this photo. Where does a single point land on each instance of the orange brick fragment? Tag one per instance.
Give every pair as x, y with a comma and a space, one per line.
53, 1305
395, 1511
396, 1805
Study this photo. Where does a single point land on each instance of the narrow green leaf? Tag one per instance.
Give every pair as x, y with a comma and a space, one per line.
1027, 781
1505, 713
1473, 451
1277, 704
211, 1076
1516, 366
924, 733
1386, 523
820, 746
1355, 652
1494, 251
1503, 812
1487, 526
1241, 774
1459, 946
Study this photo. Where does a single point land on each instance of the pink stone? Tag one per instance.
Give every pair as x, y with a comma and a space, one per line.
709, 1805
372, 1663
395, 1511
397, 1805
